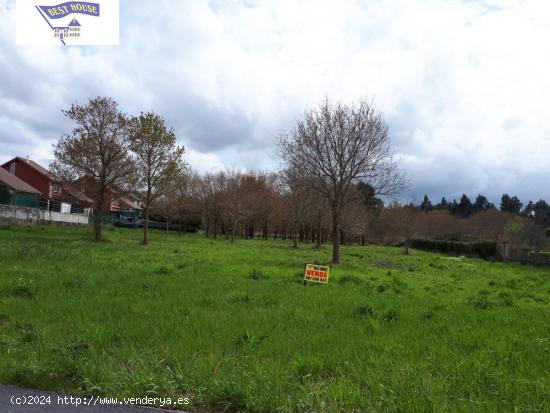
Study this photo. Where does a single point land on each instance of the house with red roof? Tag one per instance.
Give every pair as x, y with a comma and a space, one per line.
49, 185
62, 196
15, 192
115, 200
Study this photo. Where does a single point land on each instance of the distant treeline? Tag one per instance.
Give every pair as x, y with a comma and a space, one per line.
539, 210
337, 166
262, 205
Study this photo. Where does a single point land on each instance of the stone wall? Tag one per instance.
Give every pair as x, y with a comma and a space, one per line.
17, 214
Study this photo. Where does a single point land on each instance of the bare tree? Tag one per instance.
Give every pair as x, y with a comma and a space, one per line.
334, 146
158, 160
406, 220
297, 197
164, 207
97, 148
187, 196
233, 211
317, 204
211, 198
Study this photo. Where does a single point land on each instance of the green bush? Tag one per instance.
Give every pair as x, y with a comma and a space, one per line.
483, 249
364, 311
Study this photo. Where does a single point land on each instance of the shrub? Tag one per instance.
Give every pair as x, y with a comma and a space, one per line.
482, 301
20, 291
76, 348
4, 318
364, 311
426, 315
27, 332
164, 270
239, 298
228, 398
483, 249
257, 275
506, 299
390, 316
349, 279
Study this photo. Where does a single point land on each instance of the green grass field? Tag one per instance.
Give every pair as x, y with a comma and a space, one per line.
233, 328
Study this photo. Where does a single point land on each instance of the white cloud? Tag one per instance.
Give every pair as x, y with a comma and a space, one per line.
204, 162
464, 84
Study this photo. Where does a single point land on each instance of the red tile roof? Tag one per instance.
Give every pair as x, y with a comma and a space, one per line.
15, 183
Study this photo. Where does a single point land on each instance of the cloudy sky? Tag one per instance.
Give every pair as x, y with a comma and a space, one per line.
464, 84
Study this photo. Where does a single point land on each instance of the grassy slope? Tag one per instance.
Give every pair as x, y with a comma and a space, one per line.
183, 316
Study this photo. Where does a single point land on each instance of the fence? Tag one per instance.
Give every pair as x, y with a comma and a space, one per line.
540, 258
10, 214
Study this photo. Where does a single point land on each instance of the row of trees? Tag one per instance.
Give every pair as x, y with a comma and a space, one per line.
540, 210
261, 204
130, 153
336, 160
337, 164
463, 208
231, 203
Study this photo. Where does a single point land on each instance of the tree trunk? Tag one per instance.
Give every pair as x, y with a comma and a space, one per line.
146, 226
215, 226
97, 225
98, 215
233, 229
335, 237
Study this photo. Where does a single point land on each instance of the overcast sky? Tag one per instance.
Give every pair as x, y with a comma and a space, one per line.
464, 85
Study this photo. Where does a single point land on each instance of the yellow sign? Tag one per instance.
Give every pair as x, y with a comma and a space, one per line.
316, 273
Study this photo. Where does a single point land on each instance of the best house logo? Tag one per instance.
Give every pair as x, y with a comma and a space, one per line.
69, 23
73, 30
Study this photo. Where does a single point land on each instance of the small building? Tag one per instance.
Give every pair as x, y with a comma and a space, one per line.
49, 185
72, 31
78, 200
16, 192
129, 203
115, 199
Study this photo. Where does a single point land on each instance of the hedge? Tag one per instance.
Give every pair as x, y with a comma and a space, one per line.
483, 249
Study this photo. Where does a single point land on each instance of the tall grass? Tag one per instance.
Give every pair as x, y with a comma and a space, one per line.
233, 328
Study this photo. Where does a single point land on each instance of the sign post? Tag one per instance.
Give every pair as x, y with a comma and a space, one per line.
316, 273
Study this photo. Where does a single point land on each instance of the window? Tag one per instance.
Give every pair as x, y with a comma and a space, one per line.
12, 168
55, 188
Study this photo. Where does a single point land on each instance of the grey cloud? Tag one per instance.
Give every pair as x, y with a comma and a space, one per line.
192, 67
